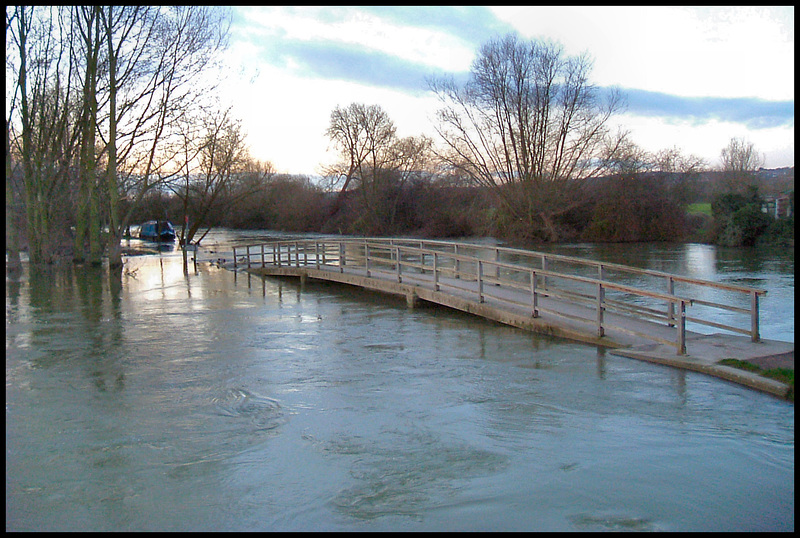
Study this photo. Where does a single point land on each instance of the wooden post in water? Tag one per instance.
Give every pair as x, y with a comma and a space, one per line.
480, 281
682, 329
435, 271
397, 260
600, 299
670, 304
544, 268
754, 336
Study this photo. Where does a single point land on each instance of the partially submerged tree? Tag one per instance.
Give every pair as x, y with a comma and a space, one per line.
97, 95
529, 126
219, 171
157, 57
41, 131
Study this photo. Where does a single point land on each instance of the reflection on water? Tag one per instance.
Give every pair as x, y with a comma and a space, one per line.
208, 400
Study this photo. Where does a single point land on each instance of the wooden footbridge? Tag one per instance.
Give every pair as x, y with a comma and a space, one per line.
638, 312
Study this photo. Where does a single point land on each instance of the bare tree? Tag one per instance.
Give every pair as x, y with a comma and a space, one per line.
87, 218
375, 164
739, 162
529, 126
157, 56
41, 130
359, 131
219, 171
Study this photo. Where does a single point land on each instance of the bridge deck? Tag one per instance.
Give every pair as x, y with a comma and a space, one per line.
505, 301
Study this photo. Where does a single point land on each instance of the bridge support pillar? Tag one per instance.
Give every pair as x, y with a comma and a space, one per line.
412, 299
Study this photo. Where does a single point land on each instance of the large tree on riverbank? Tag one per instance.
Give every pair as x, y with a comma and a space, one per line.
529, 126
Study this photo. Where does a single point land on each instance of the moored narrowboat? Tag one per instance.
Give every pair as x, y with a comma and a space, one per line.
157, 230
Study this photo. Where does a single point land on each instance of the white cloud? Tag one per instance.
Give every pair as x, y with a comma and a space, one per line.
711, 51
672, 51
707, 139
350, 26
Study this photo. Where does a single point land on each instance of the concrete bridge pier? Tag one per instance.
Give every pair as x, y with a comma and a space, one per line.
412, 299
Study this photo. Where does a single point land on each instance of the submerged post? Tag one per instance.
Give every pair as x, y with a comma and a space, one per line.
600, 299
534, 298
480, 281
682, 329
670, 304
754, 336
397, 260
435, 272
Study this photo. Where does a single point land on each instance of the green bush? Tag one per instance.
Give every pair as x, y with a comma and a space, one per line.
738, 219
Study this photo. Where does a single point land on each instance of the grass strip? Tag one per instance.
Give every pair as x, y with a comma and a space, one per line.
784, 375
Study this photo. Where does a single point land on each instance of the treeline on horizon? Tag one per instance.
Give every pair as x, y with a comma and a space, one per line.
112, 120
635, 208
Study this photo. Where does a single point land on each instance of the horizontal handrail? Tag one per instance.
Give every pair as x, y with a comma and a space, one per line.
402, 255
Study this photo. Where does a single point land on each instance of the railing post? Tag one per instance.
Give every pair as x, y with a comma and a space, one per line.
296, 254
397, 259
435, 271
754, 331
600, 299
342, 258
534, 298
263, 263
682, 329
497, 267
480, 281
458, 262
248, 256
670, 304
544, 268
366, 256
276, 255
234, 258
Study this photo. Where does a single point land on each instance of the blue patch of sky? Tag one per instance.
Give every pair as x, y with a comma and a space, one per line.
354, 63
752, 112
473, 24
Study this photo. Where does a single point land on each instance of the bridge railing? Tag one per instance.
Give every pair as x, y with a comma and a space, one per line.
742, 299
497, 269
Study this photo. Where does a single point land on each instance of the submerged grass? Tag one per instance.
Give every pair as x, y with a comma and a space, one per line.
784, 375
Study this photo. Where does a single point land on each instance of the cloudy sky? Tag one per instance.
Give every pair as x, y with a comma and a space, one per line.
693, 77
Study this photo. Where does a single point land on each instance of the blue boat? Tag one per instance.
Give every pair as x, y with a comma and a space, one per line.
157, 230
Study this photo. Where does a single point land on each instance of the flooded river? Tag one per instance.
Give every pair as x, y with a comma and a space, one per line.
220, 401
